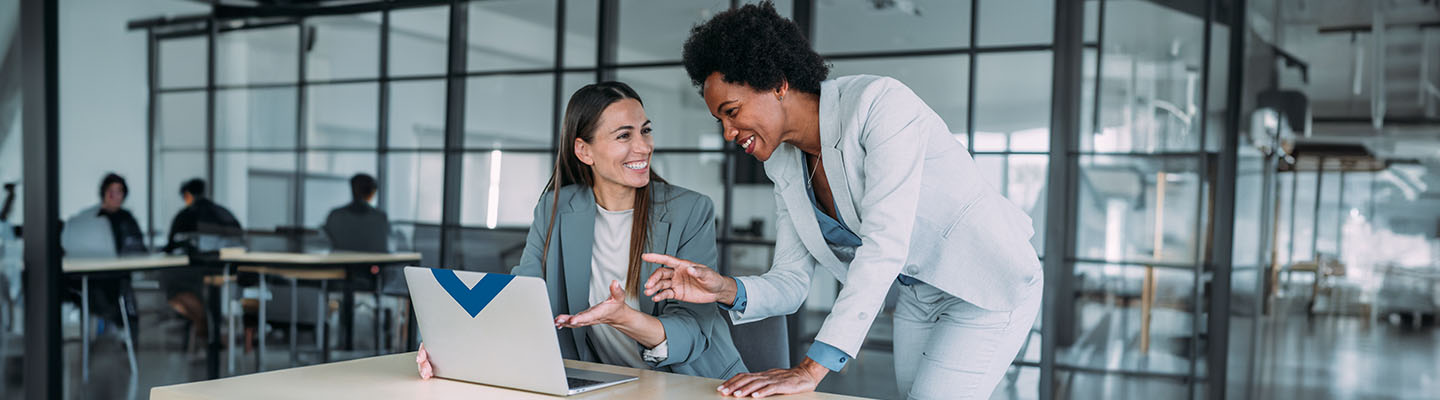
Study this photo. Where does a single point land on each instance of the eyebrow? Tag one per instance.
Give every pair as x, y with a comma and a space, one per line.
624, 127
722, 105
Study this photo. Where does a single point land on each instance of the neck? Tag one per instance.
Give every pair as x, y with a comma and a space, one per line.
803, 129
613, 197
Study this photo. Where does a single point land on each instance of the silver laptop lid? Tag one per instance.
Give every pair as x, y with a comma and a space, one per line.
493, 329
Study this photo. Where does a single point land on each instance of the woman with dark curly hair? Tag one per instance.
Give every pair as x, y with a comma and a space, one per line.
871, 187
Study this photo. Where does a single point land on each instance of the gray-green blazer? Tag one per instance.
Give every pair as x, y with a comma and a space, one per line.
683, 226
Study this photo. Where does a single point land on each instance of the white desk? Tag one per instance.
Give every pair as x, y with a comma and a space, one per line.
84, 268
71, 266
303, 260
394, 377
316, 259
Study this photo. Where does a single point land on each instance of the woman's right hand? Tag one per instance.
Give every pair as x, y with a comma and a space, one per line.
422, 360
687, 281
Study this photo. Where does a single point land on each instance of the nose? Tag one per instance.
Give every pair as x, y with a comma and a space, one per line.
645, 146
728, 132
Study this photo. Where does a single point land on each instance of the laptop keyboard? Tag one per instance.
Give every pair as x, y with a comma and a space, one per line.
578, 382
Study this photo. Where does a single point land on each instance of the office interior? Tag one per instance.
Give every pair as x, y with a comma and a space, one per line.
1231, 198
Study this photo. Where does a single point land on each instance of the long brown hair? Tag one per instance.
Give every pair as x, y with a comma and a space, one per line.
582, 117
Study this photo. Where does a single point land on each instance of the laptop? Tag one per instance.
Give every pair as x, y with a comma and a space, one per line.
495, 329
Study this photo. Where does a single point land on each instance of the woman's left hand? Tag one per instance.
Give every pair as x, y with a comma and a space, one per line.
612, 311
799, 379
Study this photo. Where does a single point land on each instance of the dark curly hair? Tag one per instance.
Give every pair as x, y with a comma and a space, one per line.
753, 45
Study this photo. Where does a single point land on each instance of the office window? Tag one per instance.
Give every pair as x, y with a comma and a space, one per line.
1123, 213
571, 82
501, 189
182, 62
1015, 23
1108, 303
1305, 223
700, 173
258, 188
676, 111
511, 34
343, 47
327, 181
655, 30
180, 120
257, 56
172, 169
255, 118
417, 114
414, 185
418, 41
580, 29
752, 217
1012, 110
1150, 94
509, 111
341, 116
890, 26
484, 250
943, 82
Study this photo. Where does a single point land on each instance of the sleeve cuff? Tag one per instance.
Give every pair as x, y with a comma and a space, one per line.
740, 299
828, 356
657, 354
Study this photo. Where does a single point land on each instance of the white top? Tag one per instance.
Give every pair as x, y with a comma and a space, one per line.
610, 261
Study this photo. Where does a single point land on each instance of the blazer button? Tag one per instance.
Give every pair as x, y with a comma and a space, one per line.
912, 270
863, 315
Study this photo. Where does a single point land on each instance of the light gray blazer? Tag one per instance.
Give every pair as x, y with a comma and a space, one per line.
920, 205
683, 226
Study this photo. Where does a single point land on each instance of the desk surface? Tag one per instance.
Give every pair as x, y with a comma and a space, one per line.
394, 377
319, 259
84, 265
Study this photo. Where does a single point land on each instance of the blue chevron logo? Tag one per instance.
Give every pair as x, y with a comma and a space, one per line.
473, 300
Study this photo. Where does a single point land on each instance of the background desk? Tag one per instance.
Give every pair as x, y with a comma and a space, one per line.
84, 268
349, 261
394, 377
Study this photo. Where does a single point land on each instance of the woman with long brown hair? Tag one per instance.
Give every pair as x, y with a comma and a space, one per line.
603, 208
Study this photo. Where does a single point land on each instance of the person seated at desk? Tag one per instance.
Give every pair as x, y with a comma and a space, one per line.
106, 230
201, 226
604, 207
359, 226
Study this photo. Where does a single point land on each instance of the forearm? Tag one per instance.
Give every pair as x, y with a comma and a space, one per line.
645, 329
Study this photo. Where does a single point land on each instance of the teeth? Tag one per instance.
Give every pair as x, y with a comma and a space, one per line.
638, 165
747, 142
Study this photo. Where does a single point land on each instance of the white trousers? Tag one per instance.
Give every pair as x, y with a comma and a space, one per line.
947, 348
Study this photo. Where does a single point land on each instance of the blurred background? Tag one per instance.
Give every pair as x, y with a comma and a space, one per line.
1232, 198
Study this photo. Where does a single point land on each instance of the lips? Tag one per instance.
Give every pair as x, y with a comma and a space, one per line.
748, 144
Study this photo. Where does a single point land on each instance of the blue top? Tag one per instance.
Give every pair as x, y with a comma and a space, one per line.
836, 233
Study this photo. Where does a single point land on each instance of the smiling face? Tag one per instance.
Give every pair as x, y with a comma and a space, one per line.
619, 153
752, 119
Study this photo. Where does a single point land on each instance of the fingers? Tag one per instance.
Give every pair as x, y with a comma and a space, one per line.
665, 260
617, 293
737, 381
422, 359
666, 294
660, 286
583, 318
661, 275
752, 388
561, 321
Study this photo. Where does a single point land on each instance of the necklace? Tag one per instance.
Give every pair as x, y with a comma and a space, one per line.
814, 167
